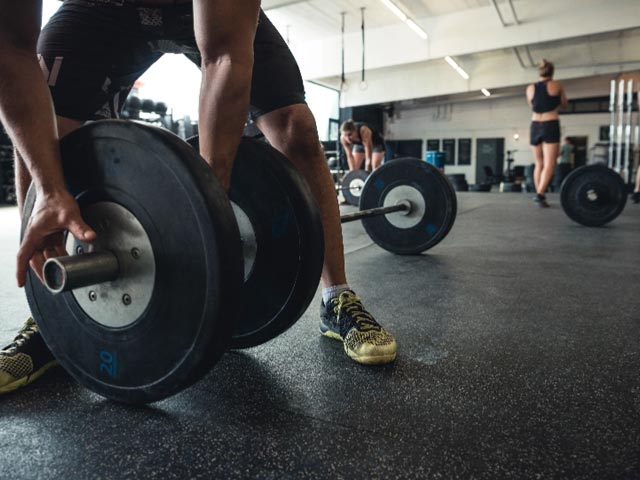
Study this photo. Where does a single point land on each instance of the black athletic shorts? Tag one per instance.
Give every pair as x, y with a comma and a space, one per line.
92, 54
377, 148
547, 132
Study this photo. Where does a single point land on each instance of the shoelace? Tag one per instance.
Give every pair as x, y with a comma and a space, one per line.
24, 334
351, 304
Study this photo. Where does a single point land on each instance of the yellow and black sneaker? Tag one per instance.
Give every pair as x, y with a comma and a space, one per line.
365, 341
25, 359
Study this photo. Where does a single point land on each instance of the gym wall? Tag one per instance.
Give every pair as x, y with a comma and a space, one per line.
490, 118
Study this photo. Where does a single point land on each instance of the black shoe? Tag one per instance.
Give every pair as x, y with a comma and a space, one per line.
635, 197
365, 341
25, 359
541, 201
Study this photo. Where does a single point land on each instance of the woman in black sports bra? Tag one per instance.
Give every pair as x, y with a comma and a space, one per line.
546, 97
362, 142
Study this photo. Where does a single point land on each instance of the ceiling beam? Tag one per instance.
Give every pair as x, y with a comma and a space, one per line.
513, 12
268, 6
515, 50
497, 9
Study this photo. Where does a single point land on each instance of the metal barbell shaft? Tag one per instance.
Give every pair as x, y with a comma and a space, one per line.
62, 274
372, 212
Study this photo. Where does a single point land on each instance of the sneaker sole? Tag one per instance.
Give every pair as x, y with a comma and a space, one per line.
368, 360
21, 382
331, 334
371, 360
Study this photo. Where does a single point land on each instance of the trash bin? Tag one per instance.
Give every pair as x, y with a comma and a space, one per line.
436, 158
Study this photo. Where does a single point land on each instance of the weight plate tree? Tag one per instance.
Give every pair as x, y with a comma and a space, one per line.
593, 195
424, 200
282, 238
167, 316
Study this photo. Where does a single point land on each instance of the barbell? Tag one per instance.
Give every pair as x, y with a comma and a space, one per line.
407, 205
180, 272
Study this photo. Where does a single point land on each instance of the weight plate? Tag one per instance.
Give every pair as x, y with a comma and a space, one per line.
282, 222
433, 206
189, 224
352, 184
593, 195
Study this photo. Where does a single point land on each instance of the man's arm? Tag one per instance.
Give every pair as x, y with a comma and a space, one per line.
27, 113
25, 103
224, 30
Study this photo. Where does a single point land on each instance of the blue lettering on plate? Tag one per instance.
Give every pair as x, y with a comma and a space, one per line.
109, 363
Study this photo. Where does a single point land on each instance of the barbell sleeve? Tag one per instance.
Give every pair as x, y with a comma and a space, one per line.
62, 274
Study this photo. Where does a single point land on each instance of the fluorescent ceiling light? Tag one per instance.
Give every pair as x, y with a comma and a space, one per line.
414, 26
395, 9
485, 92
403, 16
456, 67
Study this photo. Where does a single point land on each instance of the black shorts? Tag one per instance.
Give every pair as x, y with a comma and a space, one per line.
547, 132
377, 148
92, 55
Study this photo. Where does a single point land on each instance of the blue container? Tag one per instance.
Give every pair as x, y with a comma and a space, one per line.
435, 158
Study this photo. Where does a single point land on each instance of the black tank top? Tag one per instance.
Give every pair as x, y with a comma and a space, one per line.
376, 138
543, 102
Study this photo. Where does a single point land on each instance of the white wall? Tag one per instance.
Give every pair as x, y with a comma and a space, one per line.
488, 118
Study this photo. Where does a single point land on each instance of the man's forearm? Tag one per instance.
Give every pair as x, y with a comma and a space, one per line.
27, 113
224, 104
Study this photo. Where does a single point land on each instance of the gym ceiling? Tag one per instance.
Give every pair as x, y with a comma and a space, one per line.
496, 42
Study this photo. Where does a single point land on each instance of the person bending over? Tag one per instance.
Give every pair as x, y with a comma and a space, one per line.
244, 68
362, 142
546, 97
566, 156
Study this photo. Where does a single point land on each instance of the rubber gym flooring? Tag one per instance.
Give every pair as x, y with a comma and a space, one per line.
519, 353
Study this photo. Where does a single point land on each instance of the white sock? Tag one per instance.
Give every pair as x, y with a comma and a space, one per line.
333, 291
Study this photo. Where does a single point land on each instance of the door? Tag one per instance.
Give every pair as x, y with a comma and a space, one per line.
580, 150
489, 153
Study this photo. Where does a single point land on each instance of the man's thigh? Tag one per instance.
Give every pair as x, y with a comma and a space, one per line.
277, 81
91, 55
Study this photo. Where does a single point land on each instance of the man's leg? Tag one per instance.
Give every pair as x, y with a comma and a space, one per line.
292, 130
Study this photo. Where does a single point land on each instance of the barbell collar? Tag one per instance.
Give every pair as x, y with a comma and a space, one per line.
62, 274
